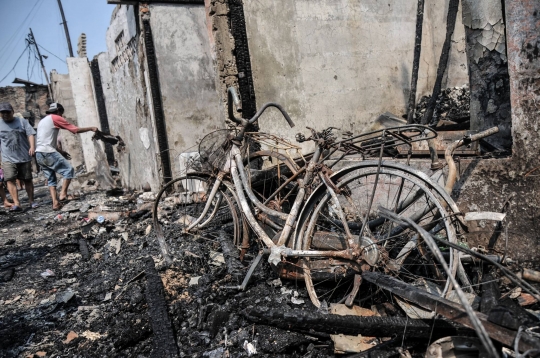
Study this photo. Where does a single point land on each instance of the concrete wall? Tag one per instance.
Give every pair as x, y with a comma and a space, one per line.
127, 101
27, 98
342, 62
62, 93
85, 105
187, 77
489, 184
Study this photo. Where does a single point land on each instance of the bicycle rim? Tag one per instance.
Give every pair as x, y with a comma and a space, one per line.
392, 249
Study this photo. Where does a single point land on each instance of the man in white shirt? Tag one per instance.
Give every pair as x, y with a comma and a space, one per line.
47, 155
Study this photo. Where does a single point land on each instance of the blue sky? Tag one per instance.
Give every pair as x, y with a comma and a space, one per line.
89, 16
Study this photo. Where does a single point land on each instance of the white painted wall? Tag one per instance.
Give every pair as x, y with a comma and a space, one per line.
85, 105
63, 94
187, 77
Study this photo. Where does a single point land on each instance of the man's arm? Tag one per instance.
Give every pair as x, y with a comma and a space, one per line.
32, 149
87, 129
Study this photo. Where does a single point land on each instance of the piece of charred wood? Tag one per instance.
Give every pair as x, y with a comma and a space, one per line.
450, 310
231, 255
508, 313
453, 6
490, 294
164, 343
374, 326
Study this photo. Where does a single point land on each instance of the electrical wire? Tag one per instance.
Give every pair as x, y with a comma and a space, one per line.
26, 48
52, 53
4, 50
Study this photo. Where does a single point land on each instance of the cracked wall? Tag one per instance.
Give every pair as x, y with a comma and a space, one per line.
488, 69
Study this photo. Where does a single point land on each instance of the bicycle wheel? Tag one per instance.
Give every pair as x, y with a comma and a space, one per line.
388, 247
186, 200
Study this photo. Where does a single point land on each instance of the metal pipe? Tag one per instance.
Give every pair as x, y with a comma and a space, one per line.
452, 171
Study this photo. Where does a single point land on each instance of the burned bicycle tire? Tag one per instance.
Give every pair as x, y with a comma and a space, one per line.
389, 248
189, 194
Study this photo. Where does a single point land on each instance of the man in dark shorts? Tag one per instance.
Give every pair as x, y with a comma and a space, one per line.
17, 144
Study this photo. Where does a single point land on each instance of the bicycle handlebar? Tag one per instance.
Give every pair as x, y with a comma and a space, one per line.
232, 96
452, 172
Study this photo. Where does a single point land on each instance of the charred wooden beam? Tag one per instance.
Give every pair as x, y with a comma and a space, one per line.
449, 309
301, 320
416, 60
164, 342
443, 61
490, 293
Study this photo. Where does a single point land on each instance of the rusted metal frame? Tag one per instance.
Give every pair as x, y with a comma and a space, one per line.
351, 244
244, 229
474, 320
214, 211
448, 309
263, 218
293, 167
245, 206
211, 196
414, 176
421, 133
300, 200
240, 168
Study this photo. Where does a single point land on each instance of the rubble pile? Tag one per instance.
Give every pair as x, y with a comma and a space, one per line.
452, 107
90, 282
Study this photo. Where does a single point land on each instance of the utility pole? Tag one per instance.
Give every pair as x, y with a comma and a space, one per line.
64, 22
32, 41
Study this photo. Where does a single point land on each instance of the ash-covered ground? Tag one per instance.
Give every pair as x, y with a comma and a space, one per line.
72, 286
56, 300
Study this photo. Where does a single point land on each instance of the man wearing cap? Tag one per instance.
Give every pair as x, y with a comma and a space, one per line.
47, 155
17, 144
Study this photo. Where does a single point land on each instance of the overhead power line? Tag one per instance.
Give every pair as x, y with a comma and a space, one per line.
26, 48
15, 36
52, 53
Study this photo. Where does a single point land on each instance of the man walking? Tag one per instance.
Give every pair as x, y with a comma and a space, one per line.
17, 144
47, 155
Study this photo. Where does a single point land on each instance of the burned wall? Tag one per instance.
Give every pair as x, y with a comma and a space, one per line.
344, 62
488, 69
490, 184
123, 77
